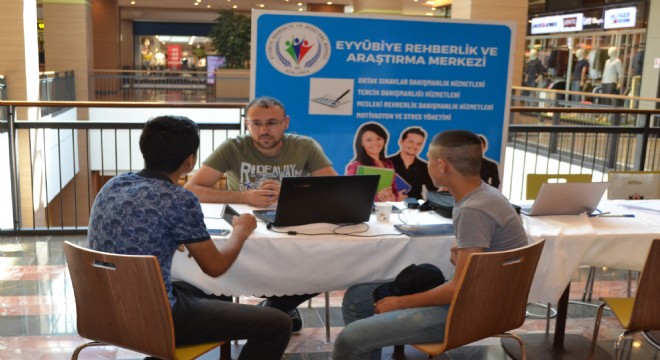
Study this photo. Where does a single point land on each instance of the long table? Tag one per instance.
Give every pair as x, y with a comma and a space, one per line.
282, 264
572, 241
273, 263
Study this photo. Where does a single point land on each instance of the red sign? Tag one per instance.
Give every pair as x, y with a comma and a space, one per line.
174, 57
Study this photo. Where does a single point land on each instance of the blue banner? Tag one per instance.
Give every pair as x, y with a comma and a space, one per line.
336, 73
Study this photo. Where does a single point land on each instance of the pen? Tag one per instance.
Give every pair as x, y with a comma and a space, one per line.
616, 215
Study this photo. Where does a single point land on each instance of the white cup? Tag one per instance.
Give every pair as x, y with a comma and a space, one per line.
383, 211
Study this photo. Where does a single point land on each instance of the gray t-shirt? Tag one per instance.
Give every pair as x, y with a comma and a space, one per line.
245, 166
485, 218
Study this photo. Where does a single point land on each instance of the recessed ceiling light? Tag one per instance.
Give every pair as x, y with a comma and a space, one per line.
132, 2
261, 5
196, 4
329, 3
208, 6
300, 9
234, 7
299, 4
429, 14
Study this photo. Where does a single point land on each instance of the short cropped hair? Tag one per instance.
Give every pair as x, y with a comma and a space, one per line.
413, 130
166, 141
461, 148
265, 102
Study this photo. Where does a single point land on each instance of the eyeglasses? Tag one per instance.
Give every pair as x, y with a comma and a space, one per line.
269, 123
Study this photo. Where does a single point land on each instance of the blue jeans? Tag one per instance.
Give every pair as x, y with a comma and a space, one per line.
366, 333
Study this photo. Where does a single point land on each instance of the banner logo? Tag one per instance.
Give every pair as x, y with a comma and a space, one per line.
298, 49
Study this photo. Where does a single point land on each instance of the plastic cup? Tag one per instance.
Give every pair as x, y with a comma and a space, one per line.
383, 211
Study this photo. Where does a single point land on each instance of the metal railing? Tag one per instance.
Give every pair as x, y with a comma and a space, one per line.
58, 166
153, 85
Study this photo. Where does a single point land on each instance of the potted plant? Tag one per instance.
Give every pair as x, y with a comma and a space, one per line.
231, 39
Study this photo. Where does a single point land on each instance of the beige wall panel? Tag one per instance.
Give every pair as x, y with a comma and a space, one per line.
127, 44
68, 42
514, 11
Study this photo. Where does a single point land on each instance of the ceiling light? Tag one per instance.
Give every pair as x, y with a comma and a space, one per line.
300, 9
261, 5
192, 40
429, 14
234, 7
329, 3
300, 4
208, 6
132, 2
196, 4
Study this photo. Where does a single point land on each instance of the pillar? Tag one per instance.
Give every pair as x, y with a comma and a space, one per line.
391, 7
650, 87
68, 43
514, 11
19, 58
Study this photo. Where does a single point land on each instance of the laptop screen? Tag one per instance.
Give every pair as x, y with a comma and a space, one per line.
325, 199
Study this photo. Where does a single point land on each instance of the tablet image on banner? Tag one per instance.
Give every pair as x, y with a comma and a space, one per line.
330, 96
386, 175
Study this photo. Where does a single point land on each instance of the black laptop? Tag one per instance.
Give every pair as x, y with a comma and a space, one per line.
322, 199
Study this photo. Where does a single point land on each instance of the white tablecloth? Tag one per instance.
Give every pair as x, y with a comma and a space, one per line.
571, 241
280, 264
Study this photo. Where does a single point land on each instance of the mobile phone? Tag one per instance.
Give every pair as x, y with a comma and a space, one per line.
229, 213
218, 232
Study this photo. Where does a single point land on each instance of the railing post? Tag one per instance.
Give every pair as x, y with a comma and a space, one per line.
556, 121
640, 157
613, 141
13, 168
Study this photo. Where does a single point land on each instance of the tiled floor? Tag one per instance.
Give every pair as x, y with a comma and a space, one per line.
37, 313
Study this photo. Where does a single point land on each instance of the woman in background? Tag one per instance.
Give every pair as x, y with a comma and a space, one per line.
370, 141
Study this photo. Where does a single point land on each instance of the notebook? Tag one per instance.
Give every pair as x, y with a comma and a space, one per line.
322, 199
566, 198
426, 230
386, 175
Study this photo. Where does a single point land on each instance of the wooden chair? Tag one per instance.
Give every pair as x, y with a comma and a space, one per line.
638, 313
490, 298
535, 181
121, 300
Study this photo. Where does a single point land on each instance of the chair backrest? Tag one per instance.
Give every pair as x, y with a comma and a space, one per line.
491, 295
646, 310
121, 300
634, 185
535, 181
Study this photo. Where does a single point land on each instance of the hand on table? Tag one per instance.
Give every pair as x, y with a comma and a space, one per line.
244, 225
260, 198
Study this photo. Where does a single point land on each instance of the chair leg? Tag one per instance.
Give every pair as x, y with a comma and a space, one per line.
523, 350
594, 337
76, 352
327, 316
225, 351
617, 343
589, 285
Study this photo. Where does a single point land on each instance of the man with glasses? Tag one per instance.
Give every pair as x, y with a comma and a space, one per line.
255, 164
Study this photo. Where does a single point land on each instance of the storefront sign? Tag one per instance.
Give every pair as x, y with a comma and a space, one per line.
397, 72
620, 18
174, 57
557, 23
592, 20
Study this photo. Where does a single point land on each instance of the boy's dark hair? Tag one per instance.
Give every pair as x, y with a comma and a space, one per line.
166, 141
461, 148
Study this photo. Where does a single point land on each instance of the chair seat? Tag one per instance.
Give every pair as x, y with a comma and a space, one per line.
622, 308
432, 348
